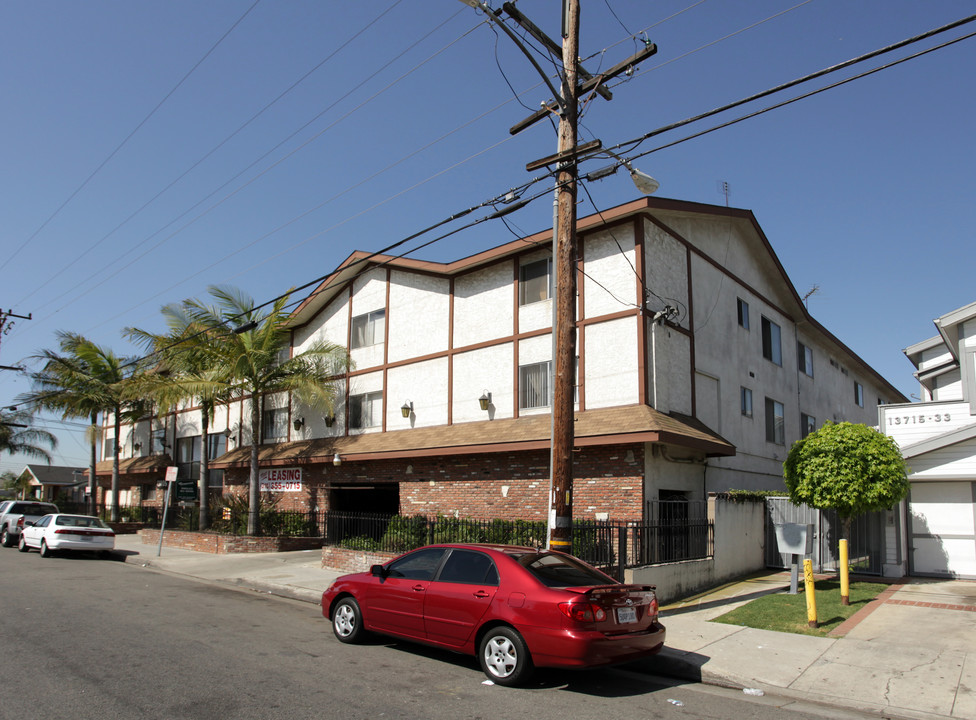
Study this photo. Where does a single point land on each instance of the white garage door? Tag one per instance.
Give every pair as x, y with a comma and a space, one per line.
943, 534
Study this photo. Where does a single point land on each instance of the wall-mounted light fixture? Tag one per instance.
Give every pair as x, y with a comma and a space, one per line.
329, 420
406, 408
336, 460
485, 400
299, 423
226, 432
137, 446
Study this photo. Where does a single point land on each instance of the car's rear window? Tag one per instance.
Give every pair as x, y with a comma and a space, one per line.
33, 509
561, 571
79, 521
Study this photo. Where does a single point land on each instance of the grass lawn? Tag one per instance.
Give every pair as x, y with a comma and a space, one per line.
788, 613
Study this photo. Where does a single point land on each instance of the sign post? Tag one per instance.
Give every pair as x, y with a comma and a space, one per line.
171, 473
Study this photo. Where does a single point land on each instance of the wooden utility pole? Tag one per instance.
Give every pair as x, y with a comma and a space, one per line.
564, 300
562, 381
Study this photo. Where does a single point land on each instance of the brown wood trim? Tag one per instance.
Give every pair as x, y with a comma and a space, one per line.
642, 349
450, 356
692, 370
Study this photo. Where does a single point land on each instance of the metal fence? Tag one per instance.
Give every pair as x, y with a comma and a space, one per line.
866, 544
675, 531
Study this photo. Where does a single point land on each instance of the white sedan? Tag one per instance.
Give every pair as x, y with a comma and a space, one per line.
60, 531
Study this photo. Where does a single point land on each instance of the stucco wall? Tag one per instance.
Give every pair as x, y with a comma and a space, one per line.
739, 551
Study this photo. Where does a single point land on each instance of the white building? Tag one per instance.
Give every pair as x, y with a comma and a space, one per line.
698, 366
938, 439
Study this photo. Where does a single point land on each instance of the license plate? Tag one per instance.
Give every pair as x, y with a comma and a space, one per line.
626, 615
85, 538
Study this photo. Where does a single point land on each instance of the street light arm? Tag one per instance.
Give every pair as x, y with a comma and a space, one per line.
493, 17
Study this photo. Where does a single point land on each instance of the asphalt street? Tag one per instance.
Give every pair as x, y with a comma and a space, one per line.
91, 638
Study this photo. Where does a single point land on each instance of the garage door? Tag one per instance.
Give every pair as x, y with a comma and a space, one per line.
943, 522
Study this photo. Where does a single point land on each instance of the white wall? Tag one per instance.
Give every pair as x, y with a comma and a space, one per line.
739, 551
483, 305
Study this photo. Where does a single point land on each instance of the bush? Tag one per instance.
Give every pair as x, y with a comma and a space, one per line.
363, 542
405, 533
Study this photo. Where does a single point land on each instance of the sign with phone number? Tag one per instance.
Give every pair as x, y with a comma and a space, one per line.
280, 480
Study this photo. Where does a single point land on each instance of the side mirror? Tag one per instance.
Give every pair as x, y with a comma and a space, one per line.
29, 522
377, 571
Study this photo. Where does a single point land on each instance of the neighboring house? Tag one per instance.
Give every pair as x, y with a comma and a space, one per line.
698, 366
938, 439
56, 483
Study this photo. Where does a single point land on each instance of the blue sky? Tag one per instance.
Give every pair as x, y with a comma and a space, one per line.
152, 149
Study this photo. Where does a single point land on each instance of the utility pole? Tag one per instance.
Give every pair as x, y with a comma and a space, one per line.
568, 153
564, 301
6, 327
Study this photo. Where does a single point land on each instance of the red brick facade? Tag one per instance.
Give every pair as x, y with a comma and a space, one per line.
608, 481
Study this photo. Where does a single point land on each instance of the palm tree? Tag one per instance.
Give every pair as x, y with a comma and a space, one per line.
19, 436
82, 380
187, 369
248, 353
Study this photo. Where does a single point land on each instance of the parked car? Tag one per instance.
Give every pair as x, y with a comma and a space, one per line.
61, 531
515, 608
17, 513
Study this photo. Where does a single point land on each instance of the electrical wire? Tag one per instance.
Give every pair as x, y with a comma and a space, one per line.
73, 263
790, 101
133, 248
128, 137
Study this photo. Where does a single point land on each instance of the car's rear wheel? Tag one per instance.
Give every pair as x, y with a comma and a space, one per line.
347, 621
22, 544
504, 657
45, 550
6, 539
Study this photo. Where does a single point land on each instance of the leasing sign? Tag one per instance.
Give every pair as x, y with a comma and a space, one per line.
280, 480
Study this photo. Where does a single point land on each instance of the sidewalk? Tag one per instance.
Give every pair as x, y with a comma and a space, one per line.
909, 654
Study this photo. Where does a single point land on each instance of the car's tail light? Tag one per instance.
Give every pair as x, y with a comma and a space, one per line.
70, 531
583, 611
20, 523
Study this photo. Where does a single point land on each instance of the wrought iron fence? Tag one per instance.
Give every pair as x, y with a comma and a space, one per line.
605, 544
670, 537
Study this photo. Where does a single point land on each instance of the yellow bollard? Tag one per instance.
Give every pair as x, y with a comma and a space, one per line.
808, 586
845, 580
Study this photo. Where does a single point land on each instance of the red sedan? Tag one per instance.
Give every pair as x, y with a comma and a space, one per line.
516, 608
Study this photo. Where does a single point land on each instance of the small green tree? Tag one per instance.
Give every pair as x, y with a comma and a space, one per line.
846, 467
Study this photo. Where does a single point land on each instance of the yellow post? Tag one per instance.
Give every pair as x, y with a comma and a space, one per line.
845, 580
810, 591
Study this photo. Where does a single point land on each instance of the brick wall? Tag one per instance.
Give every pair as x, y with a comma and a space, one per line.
351, 561
510, 486
220, 544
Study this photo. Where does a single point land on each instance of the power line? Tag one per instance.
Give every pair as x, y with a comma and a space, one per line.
254, 163
202, 159
128, 137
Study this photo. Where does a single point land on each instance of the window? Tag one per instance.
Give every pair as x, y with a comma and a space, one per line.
274, 424
188, 457
368, 329
804, 359
159, 442
148, 491
808, 424
216, 446
419, 565
365, 410
743, 313
745, 401
535, 281
468, 567
772, 349
534, 385
775, 415
858, 394
109, 449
